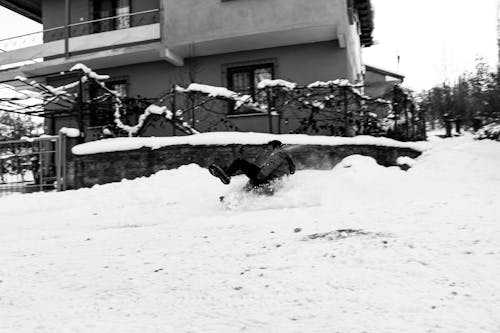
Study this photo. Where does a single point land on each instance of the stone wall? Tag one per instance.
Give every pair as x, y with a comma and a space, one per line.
88, 170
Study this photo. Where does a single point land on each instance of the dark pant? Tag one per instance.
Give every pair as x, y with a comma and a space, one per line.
248, 169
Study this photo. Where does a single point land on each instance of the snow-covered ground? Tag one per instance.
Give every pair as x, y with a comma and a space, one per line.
360, 248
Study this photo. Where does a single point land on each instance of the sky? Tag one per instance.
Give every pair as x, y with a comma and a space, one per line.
13, 24
436, 40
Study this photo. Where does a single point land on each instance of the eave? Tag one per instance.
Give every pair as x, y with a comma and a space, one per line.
365, 15
384, 72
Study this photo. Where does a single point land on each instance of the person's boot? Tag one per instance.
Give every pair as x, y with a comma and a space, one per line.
218, 172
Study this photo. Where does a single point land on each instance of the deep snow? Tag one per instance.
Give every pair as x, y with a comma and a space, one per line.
360, 248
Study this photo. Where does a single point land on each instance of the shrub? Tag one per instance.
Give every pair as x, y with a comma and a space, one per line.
490, 131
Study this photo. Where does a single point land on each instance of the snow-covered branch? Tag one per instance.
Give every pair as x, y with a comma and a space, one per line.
276, 83
216, 92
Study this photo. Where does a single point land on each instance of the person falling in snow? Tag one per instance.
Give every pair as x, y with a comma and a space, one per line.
277, 165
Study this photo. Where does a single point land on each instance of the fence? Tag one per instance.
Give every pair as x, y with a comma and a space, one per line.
32, 165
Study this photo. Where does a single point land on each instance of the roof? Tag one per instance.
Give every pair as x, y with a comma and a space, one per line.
384, 72
365, 15
31, 9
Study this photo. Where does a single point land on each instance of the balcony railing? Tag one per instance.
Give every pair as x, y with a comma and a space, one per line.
113, 23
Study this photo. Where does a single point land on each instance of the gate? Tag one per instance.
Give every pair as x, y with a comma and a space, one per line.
32, 165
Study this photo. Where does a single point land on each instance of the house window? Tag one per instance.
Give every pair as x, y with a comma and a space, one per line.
245, 79
120, 87
102, 113
102, 9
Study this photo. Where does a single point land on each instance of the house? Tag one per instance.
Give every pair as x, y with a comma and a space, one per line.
147, 46
380, 82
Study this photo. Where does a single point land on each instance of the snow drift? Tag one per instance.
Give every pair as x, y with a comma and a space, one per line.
357, 248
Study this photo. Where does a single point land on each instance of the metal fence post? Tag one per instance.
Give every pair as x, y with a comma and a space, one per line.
79, 103
68, 29
173, 106
40, 164
269, 109
58, 163
64, 162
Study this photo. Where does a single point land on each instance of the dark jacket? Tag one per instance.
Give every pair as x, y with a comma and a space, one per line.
277, 165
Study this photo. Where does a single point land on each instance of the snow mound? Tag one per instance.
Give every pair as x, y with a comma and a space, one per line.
359, 162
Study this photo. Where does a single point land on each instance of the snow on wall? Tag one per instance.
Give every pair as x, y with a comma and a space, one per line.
243, 138
70, 132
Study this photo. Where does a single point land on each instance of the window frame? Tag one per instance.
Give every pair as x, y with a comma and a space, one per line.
249, 67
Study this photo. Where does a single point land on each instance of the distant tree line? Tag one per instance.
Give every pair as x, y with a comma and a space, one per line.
472, 101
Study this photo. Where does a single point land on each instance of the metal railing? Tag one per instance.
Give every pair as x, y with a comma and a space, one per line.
65, 32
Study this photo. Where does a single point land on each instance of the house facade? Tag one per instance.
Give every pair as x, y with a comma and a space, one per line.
379, 82
148, 46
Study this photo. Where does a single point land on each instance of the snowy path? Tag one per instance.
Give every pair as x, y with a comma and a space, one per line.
420, 252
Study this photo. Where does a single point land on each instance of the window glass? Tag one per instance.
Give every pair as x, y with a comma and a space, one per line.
245, 80
103, 9
119, 87
261, 74
122, 8
241, 82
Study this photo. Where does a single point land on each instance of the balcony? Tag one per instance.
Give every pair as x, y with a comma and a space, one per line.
231, 26
117, 40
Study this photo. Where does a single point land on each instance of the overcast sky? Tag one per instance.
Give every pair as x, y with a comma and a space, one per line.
12, 24
436, 39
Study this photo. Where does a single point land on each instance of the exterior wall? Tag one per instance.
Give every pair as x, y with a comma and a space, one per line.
299, 63
353, 47
376, 84
302, 64
214, 19
88, 170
